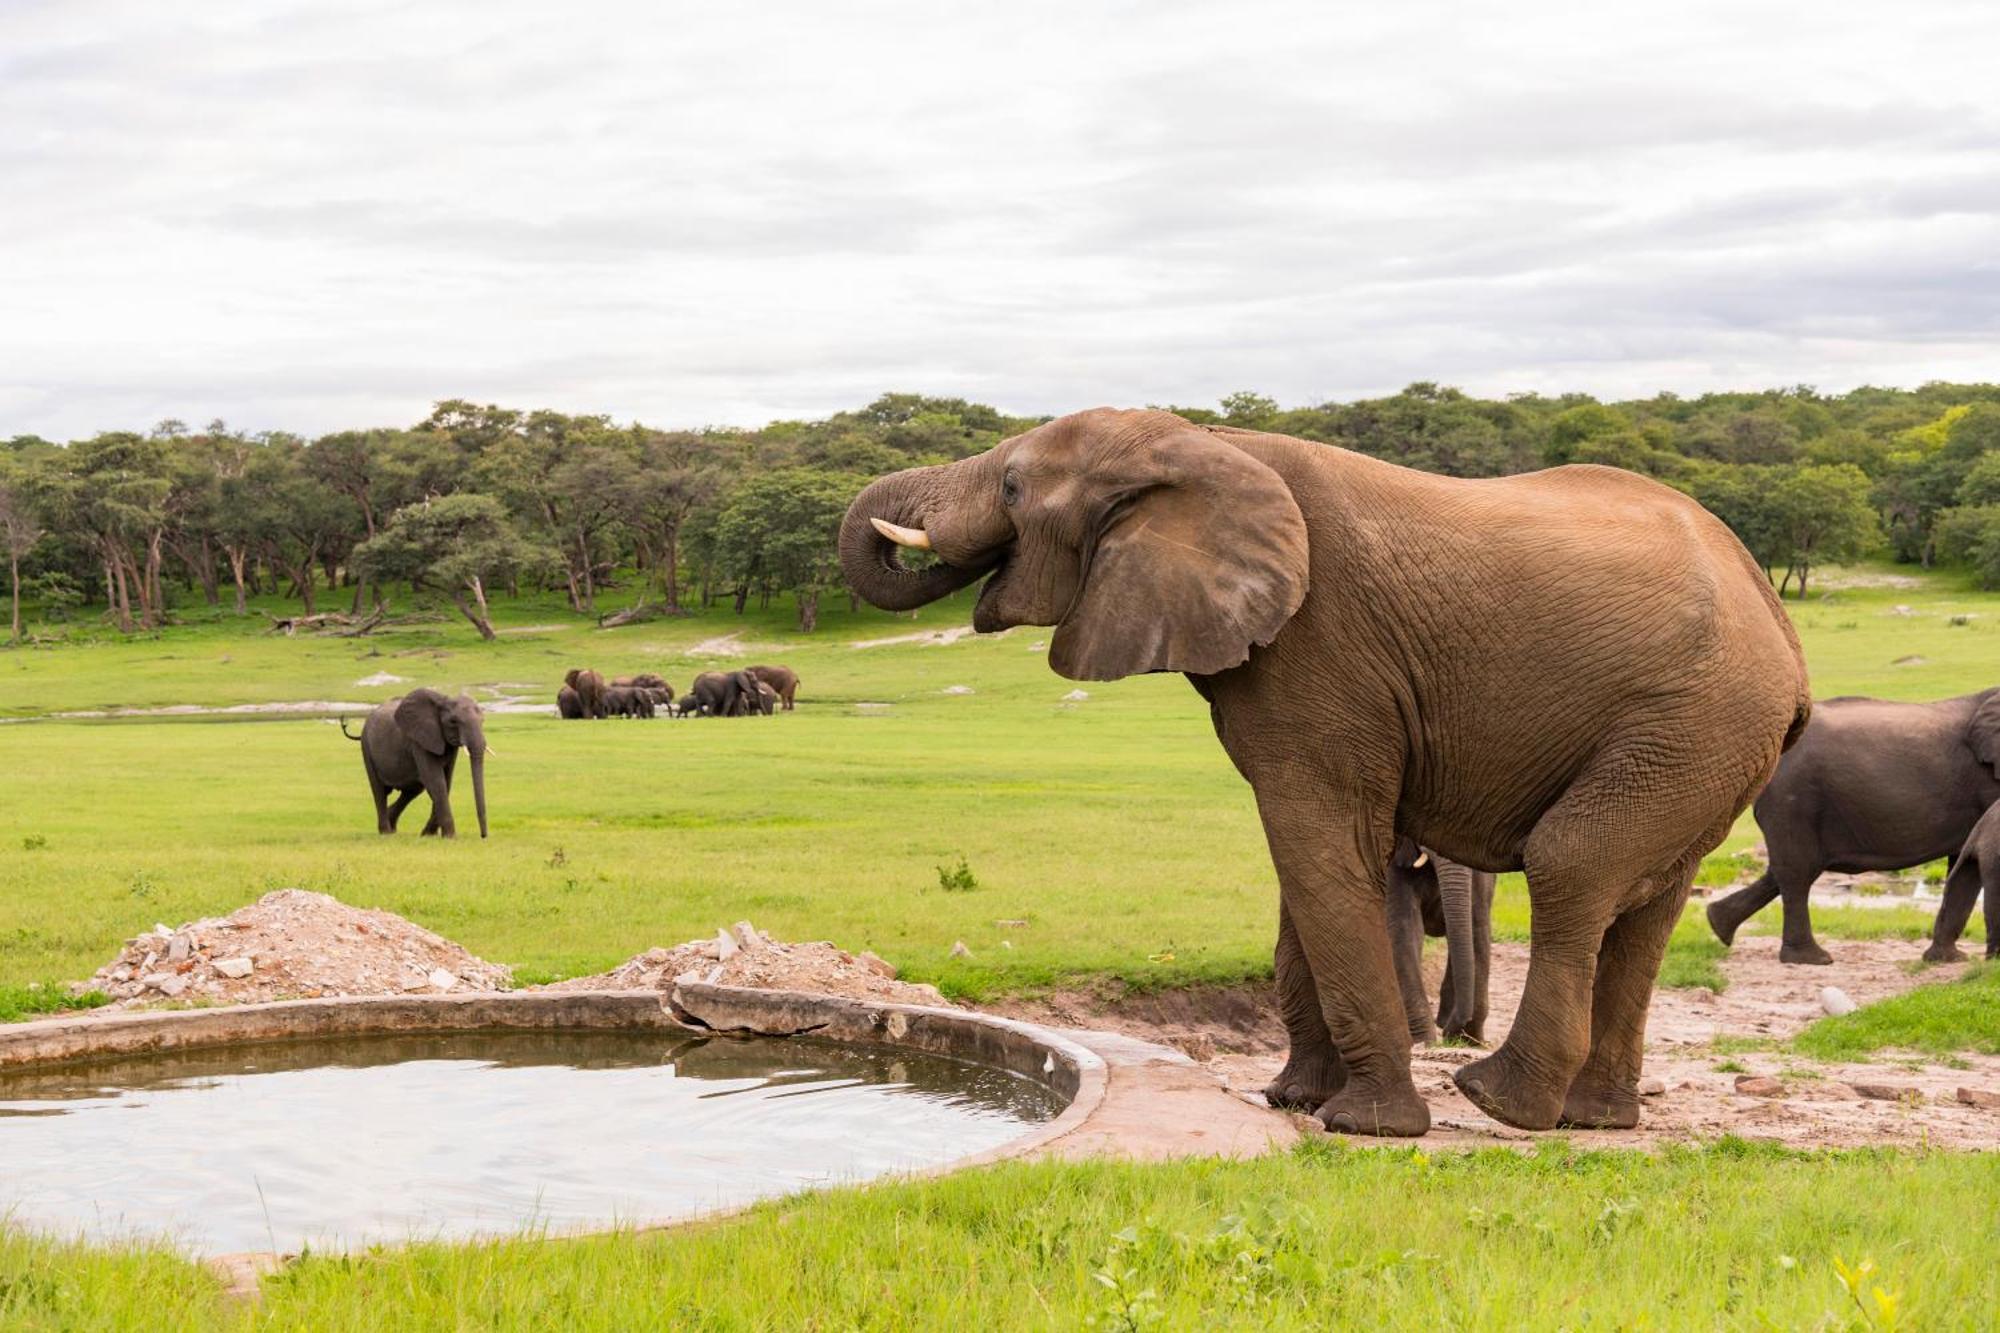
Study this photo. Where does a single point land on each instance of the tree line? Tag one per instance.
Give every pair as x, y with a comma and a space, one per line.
477, 500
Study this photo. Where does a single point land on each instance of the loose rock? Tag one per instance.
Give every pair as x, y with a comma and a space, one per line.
1076, 696
1835, 1001
958, 949
234, 968
1887, 1092
957, 689
1652, 1087
1980, 1097
726, 946
1759, 1085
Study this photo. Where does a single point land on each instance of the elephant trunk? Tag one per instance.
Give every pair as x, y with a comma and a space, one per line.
1461, 946
914, 501
478, 758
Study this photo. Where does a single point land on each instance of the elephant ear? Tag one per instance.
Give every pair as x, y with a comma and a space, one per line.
1200, 556
420, 717
1984, 733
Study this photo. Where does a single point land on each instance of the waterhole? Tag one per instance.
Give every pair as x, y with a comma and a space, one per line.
363, 1140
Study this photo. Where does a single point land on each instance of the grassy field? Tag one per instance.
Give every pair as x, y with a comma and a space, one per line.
1728, 1236
1113, 826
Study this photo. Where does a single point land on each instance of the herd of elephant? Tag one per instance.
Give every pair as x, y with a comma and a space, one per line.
750, 692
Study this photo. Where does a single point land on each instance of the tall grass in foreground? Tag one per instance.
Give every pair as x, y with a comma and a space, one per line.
1732, 1235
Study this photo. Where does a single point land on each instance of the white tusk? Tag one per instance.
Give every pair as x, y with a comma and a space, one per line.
492, 753
916, 537
1419, 862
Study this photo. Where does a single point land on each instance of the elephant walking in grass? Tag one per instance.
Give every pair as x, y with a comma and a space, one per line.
1872, 785
410, 744
1580, 673
782, 680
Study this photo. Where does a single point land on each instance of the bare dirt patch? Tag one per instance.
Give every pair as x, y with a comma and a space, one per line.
722, 645
927, 637
746, 956
1911, 1100
291, 944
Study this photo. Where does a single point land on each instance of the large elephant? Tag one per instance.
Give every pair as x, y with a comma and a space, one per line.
1977, 869
589, 687
782, 679
410, 744
1428, 895
1579, 673
1872, 785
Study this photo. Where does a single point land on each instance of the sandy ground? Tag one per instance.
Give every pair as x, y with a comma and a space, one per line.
1914, 1100
928, 637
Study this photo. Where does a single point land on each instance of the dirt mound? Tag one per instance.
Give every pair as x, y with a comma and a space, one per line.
288, 945
746, 956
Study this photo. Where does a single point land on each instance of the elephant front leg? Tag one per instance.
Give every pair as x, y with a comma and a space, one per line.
1961, 889
1313, 1071
1335, 899
437, 782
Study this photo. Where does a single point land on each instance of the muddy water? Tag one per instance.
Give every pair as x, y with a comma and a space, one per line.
379, 1139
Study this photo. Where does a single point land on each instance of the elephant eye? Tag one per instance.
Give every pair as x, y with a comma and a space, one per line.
1010, 490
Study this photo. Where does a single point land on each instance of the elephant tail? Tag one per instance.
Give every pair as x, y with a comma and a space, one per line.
345, 732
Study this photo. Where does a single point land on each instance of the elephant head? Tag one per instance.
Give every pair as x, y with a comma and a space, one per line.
438, 726
1150, 543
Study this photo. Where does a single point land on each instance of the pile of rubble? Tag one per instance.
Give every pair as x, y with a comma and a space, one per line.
746, 956
291, 944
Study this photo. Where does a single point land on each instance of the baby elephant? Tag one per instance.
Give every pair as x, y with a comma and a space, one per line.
1976, 870
1427, 894
410, 744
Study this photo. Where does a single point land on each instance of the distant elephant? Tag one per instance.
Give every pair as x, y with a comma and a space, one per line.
627, 701
1428, 895
780, 678
411, 744
589, 687
763, 699
1578, 672
1976, 870
720, 693
655, 686
569, 703
1872, 785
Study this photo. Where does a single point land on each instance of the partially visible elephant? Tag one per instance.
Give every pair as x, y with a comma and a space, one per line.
627, 701
1437, 896
1428, 895
780, 678
569, 704
763, 699
410, 744
1872, 785
1578, 672
1976, 870
589, 687
656, 687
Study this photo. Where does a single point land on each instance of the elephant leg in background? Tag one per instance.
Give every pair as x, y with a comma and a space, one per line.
1789, 880
1591, 859
1332, 879
1313, 1071
1462, 999
400, 804
1961, 888
1406, 943
1727, 914
1799, 945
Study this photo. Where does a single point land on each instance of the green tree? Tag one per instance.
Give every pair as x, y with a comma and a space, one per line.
1971, 535
783, 528
20, 531
461, 545
1822, 514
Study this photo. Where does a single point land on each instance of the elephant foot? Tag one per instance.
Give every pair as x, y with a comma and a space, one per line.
1599, 1107
1423, 1034
1721, 922
1943, 953
1472, 1034
1808, 953
1306, 1083
1499, 1086
1389, 1113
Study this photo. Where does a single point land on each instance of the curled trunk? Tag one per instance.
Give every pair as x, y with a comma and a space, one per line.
870, 561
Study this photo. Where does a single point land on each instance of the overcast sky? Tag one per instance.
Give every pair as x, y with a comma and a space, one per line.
316, 215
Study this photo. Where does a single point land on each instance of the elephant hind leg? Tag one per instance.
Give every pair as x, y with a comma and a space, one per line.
1594, 855
395, 808
1605, 1092
1961, 889
1727, 914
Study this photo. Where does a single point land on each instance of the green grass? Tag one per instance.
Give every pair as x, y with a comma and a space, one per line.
47, 997
1730, 1235
1951, 1016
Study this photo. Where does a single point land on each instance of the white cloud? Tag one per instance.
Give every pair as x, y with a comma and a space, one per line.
311, 215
